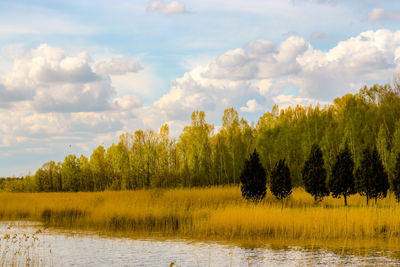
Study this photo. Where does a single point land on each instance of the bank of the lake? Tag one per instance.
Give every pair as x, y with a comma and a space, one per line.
217, 213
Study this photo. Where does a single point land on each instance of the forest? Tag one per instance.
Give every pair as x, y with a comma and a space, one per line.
203, 156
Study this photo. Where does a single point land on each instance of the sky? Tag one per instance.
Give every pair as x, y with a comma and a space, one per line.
76, 74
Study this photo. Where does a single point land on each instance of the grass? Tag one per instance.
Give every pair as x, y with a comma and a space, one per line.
23, 249
212, 213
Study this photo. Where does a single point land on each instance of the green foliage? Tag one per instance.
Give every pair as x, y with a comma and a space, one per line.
314, 174
281, 184
396, 178
341, 182
100, 169
12, 184
70, 173
253, 178
201, 156
371, 177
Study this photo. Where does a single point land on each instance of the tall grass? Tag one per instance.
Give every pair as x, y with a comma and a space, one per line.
217, 212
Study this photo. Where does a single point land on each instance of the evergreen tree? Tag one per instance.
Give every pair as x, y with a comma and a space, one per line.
314, 174
341, 181
381, 179
364, 174
253, 178
371, 177
281, 184
396, 179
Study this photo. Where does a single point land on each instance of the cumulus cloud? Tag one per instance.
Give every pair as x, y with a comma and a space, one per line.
55, 96
50, 98
378, 14
285, 101
127, 102
257, 76
56, 82
167, 8
118, 66
258, 59
251, 106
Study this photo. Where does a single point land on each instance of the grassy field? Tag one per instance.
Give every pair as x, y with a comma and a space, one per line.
210, 213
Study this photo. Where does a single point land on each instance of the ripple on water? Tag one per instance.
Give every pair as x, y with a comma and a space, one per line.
28, 243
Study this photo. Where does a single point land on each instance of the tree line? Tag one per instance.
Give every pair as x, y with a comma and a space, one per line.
370, 179
204, 156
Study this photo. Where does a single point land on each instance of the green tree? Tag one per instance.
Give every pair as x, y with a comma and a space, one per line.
371, 177
281, 184
41, 180
46, 177
396, 178
314, 174
341, 182
70, 174
100, 169
86, 174
253, 178
195, 150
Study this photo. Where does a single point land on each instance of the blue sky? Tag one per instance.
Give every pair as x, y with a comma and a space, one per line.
77, 74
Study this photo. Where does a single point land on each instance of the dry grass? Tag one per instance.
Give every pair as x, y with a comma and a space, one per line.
217, 212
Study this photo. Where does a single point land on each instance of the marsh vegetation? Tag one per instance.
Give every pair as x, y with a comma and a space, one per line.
210, 213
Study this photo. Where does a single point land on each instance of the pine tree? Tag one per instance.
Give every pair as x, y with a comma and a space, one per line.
381, 179
314, 174
341, 181
253, 178
371, 177
396, 178
281, 184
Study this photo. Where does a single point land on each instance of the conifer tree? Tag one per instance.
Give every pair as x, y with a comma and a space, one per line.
253, 178
314, 174
396, 179
371, 177
341, 182
381, 176
281, 184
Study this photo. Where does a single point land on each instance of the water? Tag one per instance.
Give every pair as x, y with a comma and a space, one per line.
24, 243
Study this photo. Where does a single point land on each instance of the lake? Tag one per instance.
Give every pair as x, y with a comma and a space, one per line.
29, 243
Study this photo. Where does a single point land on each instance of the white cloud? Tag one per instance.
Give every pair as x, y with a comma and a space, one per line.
61, 98
118, 66
251, 106
49, 98
378, 14
127, 102
285, 101
167, 8
55, 82
262, 74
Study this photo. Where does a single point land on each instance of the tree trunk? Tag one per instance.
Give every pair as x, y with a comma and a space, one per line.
345, 199
367, 200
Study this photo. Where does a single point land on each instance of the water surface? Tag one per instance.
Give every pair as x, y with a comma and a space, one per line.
25, 243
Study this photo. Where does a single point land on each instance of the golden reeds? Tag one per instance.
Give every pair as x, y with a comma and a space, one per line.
217, 212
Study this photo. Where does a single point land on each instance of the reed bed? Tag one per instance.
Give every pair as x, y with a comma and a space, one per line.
216, 212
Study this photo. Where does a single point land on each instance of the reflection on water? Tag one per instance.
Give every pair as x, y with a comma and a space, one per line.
29, 244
